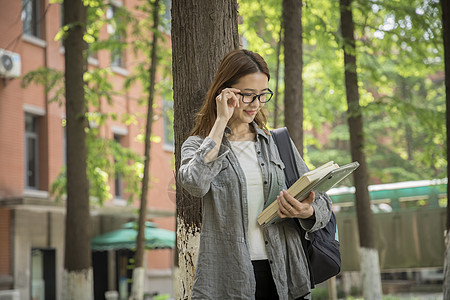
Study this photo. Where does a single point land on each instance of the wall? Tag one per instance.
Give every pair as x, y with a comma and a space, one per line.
31, 218
5, 249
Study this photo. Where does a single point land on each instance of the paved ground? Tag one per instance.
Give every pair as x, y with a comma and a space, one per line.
417, 296
407, 296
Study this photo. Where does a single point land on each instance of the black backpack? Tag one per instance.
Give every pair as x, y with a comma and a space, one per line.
321, 249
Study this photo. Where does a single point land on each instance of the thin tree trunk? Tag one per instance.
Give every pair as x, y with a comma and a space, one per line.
196, 55
446, 35
78, 276
277, 78
137, 292
293, 65
368, 253
406, 96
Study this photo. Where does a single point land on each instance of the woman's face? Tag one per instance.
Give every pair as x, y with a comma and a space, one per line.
250, 85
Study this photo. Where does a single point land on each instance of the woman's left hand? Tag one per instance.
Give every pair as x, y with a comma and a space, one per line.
289, 207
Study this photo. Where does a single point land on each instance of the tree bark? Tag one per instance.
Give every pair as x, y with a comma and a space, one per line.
137, 292
78, 277
406, 96
369, 255
293, 67
196, 55
446, 37
277, 79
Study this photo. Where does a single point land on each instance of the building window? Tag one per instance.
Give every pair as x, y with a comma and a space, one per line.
61, 12
168, 125
118, 181
31, 151
31, 17
117, 36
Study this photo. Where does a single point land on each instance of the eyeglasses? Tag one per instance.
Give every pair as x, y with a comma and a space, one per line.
250, 97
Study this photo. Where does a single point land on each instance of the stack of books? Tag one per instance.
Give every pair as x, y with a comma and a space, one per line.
320, 179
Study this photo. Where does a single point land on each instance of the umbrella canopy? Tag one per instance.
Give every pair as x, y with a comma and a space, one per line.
125, 238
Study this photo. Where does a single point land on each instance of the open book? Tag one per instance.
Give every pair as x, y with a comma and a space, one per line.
320, 179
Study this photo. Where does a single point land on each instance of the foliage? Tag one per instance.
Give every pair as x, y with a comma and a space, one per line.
319, 293
260, 29
399, 56
125, 163
51, 79
402, 73
106, 157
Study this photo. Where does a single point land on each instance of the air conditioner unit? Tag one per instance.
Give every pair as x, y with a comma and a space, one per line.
10, 295
10, 65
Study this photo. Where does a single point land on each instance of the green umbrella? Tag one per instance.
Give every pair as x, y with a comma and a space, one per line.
125, 238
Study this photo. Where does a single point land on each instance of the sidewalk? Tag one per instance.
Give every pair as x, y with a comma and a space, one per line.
415, 296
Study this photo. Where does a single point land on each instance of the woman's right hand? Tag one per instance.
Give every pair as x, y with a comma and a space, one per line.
226, 101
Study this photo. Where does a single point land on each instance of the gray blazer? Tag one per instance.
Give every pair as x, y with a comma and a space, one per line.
224, 269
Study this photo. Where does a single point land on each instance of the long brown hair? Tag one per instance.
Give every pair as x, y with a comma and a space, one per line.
235, 65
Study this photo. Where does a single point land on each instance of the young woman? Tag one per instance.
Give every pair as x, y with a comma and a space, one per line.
232, 163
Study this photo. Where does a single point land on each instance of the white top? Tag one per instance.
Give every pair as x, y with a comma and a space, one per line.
246, 154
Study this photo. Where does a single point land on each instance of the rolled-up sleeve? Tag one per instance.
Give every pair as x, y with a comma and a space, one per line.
195, 174
322, 213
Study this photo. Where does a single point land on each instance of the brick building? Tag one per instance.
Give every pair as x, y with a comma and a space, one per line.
32, 142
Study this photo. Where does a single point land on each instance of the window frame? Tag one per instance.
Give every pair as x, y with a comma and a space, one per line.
117, 56
32, 27
34, 135
118, 180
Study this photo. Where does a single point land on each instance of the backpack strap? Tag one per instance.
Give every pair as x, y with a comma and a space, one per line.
283, 141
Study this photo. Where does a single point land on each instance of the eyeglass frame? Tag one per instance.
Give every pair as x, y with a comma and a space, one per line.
256, 96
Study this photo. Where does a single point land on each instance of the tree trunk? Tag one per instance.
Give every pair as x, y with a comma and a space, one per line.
78, 277
370, 268
406, 96
277, 79
446, 36
137, 292
196, 55
293, 64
